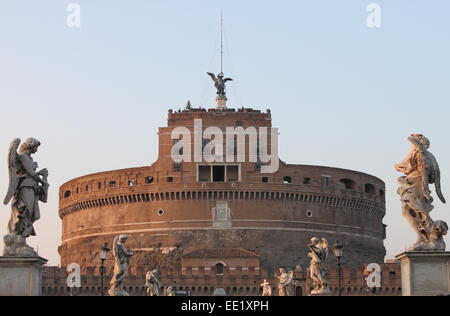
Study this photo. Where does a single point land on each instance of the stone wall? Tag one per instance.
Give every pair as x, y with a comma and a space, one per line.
238, 282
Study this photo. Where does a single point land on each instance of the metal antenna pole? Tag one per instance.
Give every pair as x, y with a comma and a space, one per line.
221, 41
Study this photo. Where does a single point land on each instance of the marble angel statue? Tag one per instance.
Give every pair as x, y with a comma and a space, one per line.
318, 254
27, 187
152, 283
421, 170
122, 257
284, 282
267, 289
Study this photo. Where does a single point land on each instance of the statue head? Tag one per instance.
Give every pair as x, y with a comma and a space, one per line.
440, 228
30, 145
123, 238
422, 139
282, 270
315, 241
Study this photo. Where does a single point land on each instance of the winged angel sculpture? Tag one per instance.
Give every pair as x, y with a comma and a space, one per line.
152, 283
26, 188
284, 282
220, 82
421, 169
318, 253
122, 257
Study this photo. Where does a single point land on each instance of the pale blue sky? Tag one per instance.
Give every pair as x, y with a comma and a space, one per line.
341, 93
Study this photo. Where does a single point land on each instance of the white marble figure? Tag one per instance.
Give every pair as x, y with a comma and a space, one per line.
27, 187
284, 284
170, 291
421, 169
267, 289
152, 284
318, 254
122, 256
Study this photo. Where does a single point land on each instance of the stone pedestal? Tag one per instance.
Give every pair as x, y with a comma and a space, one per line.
221, 102
425, 273
326, 292
21, 276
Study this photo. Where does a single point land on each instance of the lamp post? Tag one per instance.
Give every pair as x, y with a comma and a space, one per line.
104, 251
337, 250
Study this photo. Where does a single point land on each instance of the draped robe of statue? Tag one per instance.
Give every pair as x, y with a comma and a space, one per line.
25, 207
318, 254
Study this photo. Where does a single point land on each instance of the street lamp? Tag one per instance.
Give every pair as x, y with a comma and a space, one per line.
104, 251
337, 251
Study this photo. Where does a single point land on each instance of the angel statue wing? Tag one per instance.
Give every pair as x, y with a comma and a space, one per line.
227, 79
325, 248
213, 77
428, 166
12, 169
291, 276
116, 247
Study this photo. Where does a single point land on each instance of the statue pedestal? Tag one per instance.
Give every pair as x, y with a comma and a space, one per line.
326, 292
21, 276
221, 102
425, 273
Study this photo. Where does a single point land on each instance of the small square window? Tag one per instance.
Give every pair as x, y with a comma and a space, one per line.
265, 180
170, 179
307, 181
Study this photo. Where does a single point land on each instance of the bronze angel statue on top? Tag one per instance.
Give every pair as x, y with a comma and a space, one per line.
27, 187
219, 81
421, 169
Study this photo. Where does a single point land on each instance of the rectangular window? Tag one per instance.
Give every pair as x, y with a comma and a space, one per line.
233, 173
219, 173
204, 173
325, 182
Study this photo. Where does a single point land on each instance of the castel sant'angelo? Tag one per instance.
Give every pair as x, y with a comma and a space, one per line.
221, 214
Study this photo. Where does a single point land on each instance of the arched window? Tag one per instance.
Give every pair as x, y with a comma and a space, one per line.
112, 184
349, 184
220, 267
149, 180
67, 194
369, 188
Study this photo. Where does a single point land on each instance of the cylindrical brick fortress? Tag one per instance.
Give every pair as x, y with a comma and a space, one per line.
169, 209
